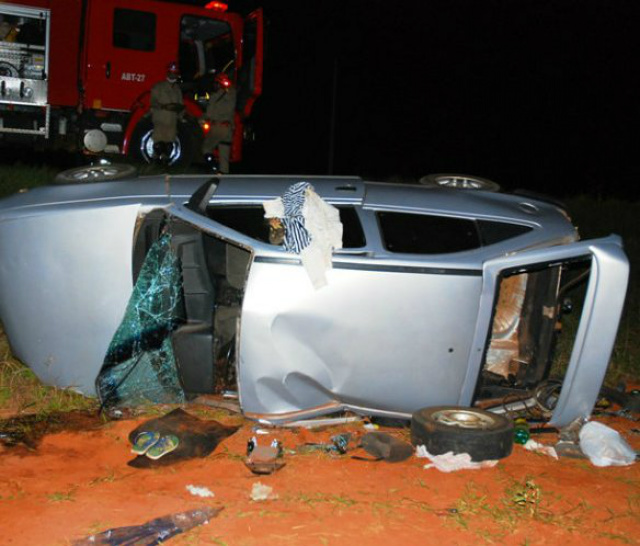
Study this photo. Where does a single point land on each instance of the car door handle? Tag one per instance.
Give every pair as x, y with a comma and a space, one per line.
107, 70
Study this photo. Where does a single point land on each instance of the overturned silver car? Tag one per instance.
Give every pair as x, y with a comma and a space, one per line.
437, 296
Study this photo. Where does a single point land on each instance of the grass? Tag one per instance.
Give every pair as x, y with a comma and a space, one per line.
599, 218
21, 392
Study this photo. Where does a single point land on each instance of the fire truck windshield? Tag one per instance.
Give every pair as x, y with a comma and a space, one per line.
206, 49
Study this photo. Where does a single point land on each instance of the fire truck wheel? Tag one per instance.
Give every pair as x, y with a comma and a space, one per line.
96, 173
184, 147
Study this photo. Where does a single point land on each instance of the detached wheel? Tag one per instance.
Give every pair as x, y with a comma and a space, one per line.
459, 182
96, 173
481, 434
185, 145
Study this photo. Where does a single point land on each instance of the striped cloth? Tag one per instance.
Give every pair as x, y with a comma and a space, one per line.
296, 235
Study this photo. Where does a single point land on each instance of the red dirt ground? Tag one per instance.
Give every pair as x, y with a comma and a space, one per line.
78, 483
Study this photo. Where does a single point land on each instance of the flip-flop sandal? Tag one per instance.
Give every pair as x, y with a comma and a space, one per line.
164, 445
144, 441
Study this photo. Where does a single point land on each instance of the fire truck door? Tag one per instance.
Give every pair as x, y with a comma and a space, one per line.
250, 74
127, 52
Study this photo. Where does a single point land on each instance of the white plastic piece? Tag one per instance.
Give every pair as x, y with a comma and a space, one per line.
198, 491
532, 445
604, 446
450, 462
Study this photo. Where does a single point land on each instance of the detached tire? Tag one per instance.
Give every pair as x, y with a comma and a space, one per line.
96, 173
481, 434
459, 182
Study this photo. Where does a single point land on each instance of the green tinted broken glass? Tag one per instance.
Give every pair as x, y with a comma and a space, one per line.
140, 365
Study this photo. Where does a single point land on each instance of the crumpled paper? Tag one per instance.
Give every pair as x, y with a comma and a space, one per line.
450, 462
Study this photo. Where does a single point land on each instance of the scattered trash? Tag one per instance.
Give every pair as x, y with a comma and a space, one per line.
317, 423
264, 459
385, 447
532, 445
339, 444
261, 492
153, 532
521, 432
197, 491
568, 444
182, 436
371, 426
604, 446
448, 462
262, 431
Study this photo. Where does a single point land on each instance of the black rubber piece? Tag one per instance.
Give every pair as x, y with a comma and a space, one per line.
482, 444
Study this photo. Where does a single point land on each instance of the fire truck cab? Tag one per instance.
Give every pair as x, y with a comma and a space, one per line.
77, 74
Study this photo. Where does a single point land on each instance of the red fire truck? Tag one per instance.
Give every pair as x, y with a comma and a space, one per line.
77, 74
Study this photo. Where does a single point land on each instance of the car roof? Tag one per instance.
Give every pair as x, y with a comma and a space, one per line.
239, 189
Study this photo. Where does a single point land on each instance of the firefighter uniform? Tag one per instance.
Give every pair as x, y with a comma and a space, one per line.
166, 108
219, 113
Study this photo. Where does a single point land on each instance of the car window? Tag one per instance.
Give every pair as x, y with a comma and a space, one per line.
496, 232
428, 234
250, 221
425, 234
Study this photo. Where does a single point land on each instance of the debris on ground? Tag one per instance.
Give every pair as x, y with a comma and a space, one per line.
261, 492
185, 437
198, 491
264, 459
604, 446
450, 462
153, 532
383, 446
532, 445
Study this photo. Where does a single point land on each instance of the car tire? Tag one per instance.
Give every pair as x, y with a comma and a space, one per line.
186, 144
96, 173
481, 434
459, 182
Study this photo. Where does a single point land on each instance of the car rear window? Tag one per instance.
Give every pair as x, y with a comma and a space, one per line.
428, 234
250, 221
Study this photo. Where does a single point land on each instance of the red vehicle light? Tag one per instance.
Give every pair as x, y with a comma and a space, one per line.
205, 127
218, 6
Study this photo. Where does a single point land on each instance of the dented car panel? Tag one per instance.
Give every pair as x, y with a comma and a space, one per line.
437, 297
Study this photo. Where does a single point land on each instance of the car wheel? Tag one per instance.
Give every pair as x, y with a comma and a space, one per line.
481, 434
459, 181
96, 173
184, 146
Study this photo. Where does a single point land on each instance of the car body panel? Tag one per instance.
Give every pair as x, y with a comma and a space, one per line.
390, 333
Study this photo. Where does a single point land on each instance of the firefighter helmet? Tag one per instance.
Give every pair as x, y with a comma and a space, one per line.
223, 80
173, 72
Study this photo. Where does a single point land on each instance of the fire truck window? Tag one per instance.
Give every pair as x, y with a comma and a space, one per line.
206, 49
134, 29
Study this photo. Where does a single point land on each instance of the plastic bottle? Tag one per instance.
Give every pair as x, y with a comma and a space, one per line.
521, 432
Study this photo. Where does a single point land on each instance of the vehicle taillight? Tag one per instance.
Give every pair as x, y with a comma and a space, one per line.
205, 127
217, 6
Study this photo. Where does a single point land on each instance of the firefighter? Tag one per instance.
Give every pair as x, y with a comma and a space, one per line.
166, 107
219, 114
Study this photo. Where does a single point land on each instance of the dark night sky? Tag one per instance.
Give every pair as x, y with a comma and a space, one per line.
539, 94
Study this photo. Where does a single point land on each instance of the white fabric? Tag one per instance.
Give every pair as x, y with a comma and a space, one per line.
322, 221
273, 208
448, 462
